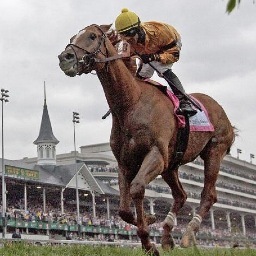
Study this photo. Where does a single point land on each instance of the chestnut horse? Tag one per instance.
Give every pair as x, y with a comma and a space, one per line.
144, 135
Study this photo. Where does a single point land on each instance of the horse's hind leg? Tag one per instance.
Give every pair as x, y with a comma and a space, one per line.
212, 161
179, 196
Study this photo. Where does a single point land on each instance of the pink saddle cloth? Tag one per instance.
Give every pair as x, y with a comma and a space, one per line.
198, 122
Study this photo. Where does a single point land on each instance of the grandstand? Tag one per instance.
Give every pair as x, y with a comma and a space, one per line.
41, 196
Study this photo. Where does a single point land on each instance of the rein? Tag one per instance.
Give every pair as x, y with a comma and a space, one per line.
107, 59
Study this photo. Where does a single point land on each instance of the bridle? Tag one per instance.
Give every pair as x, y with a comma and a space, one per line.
89, 58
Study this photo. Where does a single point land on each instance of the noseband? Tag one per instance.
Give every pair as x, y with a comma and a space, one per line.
89, 58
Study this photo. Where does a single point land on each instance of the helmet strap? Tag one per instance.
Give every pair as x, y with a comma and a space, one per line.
141, 35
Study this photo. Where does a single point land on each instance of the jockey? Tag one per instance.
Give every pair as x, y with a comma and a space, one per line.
158, 44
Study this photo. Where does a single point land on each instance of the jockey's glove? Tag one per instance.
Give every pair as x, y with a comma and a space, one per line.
146, 58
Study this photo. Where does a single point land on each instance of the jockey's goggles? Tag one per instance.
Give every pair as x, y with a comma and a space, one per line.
129, 33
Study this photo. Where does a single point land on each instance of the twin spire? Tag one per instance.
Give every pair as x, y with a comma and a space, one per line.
46, 141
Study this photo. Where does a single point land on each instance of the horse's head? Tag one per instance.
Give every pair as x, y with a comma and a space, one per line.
83, 53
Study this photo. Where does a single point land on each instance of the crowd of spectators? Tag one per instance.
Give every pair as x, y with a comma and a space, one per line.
190, 176
229, 170
206, 235
195, 195
96, 168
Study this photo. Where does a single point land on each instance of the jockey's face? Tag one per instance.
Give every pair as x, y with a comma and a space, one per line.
131, 35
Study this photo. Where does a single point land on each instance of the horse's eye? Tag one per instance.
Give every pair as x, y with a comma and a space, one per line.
92, 36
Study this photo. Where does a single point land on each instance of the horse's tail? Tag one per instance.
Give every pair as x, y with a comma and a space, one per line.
235, 134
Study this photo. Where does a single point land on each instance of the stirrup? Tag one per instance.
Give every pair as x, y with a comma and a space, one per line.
186, 109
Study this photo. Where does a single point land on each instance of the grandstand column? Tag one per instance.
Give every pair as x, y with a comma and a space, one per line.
108, 211
151, 205
93, 204
25, 198
193, 210
243, 224
25, 202
62, 200
228, 221
44, 200
212, 219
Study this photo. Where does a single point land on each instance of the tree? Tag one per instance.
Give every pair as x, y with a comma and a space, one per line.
231, 5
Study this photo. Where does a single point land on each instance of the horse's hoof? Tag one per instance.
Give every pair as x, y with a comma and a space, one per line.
185, 242
153, 251
128, 217
188, 239
168, 243
167, 239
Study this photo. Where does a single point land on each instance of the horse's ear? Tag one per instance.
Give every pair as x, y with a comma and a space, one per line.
72, 38
105, 28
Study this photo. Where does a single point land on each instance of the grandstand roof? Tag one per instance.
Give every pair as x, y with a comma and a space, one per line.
108, 190
60, 175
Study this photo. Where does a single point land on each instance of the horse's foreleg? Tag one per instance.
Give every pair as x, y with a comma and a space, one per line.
179, 196
152, 165
125, 200
208, 196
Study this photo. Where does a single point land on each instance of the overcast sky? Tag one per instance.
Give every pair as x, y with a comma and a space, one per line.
218, 58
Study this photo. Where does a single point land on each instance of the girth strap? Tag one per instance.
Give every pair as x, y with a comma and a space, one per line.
181, 144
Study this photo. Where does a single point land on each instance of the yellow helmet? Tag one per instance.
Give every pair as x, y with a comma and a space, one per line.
126, 20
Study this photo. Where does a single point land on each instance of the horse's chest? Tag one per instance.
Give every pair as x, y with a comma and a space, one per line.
135, 145
133, 137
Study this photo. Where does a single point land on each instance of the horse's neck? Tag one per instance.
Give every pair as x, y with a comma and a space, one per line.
120, 87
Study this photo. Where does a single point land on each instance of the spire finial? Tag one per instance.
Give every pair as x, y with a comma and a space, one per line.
44, 94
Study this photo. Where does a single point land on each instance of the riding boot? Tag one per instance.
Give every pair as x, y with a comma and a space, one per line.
185, 106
